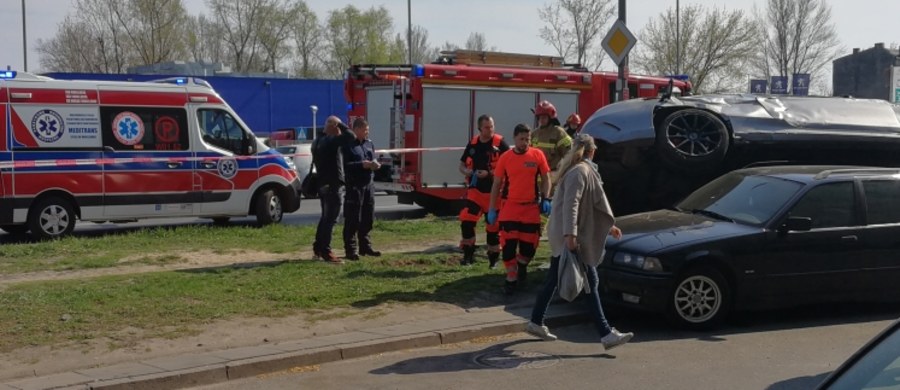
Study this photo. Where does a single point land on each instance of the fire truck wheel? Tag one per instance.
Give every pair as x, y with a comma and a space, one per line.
269, 208
51, 217
692, 140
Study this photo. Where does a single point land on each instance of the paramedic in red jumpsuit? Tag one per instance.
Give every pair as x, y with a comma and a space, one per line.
524, 176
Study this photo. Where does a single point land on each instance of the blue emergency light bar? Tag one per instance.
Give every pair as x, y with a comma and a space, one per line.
680, 77
7, 74
418, 71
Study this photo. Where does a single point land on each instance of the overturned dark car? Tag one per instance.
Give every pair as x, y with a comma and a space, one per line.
653, 152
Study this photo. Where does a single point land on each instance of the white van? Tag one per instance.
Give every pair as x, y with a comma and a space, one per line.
122, 151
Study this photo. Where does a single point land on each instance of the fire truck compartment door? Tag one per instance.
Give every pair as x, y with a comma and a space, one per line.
379, 101
446, 121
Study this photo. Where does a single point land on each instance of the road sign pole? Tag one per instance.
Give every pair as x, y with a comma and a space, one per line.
622, 85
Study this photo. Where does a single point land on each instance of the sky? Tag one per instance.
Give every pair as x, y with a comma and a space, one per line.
510, 25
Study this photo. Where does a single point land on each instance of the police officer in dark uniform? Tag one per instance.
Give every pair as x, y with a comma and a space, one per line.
359, 200
328, 160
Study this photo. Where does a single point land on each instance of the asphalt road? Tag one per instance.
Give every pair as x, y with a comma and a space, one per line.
386, 207
780, 350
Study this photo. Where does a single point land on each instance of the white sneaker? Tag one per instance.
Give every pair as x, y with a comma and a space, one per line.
615, 339
539, 331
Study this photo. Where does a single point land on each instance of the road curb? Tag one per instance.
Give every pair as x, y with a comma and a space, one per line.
221, 366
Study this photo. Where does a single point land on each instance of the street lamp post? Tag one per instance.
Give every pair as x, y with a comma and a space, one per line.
314, 109
24, 39
408, 29
677, 36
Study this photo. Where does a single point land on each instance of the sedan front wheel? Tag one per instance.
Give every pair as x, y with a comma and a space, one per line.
700, 300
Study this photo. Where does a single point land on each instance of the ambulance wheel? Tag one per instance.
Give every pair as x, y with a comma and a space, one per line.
51, 217
269, 208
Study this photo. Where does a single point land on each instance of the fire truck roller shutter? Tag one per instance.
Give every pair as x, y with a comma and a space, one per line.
379, 101
446, 117
508, 107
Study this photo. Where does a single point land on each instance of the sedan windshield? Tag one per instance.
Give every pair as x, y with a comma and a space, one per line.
748, 199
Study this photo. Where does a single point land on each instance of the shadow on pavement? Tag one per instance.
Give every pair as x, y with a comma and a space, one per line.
503, 355
799, 383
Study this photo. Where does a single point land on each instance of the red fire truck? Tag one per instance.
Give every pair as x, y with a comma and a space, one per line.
425, 114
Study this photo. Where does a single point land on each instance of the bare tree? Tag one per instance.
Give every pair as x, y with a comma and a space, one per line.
239, 22
203, 40
422, 52
154, 28
478, 42
575, 27
356, 37
799, 37
74, 48
716, 46
274, 35
307, 36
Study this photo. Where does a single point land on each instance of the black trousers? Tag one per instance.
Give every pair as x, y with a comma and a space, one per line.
359, 214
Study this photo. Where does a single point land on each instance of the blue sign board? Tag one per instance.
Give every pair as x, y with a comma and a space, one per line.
779, 85
759, 87
800, 85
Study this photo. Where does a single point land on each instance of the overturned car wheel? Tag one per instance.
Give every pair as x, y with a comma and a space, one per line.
692, 140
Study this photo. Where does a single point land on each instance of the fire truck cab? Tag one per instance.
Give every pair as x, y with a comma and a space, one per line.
424, 114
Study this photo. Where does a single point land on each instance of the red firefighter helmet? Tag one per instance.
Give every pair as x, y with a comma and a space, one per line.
545, 108
574, 119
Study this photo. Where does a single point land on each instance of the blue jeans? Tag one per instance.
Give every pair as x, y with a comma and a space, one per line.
549, 289
330, 197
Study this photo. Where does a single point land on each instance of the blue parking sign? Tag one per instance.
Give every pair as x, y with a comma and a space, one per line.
759, 87
800, 85
779, 85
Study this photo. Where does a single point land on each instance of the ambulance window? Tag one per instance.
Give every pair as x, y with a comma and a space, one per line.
144, 128
218, 128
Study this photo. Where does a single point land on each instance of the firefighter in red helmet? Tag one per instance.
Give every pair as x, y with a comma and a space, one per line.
573, 125
549, 137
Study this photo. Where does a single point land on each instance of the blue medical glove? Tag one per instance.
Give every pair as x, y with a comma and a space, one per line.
474, 182
491, 216
545, 206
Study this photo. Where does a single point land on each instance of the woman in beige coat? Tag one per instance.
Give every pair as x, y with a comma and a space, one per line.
580, 220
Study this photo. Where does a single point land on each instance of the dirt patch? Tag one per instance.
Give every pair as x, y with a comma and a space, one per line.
131, 344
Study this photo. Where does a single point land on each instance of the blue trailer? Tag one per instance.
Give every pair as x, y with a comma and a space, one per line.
265, 104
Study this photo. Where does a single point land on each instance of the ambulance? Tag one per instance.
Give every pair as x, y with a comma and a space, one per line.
123, 151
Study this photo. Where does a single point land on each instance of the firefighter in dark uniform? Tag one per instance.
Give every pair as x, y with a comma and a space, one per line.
477, 165
359, 198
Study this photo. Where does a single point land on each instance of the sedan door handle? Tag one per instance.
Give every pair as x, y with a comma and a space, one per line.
209, 165
173, 164
849, 239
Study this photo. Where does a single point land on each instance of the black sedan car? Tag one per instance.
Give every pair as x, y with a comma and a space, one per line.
653, 152
761, 238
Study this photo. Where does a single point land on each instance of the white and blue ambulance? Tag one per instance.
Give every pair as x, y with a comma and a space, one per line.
123, 151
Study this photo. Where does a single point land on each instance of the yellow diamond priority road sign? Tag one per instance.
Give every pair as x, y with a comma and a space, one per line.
618, 42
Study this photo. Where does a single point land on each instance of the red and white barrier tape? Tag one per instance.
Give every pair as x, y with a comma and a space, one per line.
148, 160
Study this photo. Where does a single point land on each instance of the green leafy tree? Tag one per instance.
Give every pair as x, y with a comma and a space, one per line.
355, 37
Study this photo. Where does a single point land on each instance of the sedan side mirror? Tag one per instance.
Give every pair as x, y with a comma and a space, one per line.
798, 224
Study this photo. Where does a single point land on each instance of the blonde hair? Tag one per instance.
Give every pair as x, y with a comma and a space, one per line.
582, 144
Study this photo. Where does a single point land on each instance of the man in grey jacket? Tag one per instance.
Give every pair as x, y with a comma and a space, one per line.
580, 220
